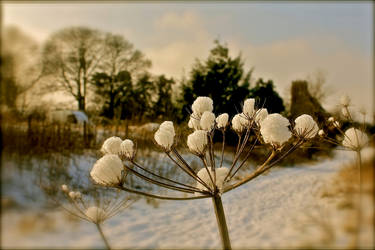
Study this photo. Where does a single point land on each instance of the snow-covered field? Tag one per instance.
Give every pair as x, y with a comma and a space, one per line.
274, 210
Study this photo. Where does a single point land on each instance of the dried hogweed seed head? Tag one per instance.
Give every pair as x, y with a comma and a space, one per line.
261, 114
164, 136
345, 112
202, 104
321, 133
197, 142
107, 170
221, 173
127, 148
248, 107
238, 124
345, 100
306, 126
194, 122
222, 120
331, 119
274, 129
72, 195
64, 188
354, 139
95, 214
207, 121
112, 145
78, 195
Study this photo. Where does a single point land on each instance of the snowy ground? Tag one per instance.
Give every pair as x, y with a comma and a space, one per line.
274, 210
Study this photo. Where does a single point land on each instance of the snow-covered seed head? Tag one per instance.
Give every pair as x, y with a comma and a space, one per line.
274, 129
78, 195
306, 126
345, 100
72, 195
164, 136
355, 139
112, 145
127, 149
248, 107
336, 124
239, 123
261, 114
221, 173
197, 142
321, 133
207, 121
95, 214
107, 170
222, 120
64, 188
202, 104
194, 122
345, 112
331, 119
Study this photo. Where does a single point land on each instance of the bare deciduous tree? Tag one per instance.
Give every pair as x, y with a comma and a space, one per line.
72, 55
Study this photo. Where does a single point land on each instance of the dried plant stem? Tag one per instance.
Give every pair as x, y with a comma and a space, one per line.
102, 235
222, 149
221, 223
359, 208
159, 196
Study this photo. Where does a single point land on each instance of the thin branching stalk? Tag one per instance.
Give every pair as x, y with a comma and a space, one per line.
222, 149
161, 177
204, 160
102, 235
163, 197
162, 184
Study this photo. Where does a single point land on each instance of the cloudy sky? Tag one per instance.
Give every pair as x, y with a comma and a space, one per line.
284, 41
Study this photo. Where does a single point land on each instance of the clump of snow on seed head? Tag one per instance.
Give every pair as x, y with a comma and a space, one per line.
274, 129
112, 145
64, 188
194, 122
202, 104
95, 214
306, 126
221, 173
321, 133
239, 123
248, 107
107, 170
127, 149
260, 115
222, 120
345, 100
354, 139
207, 121
197, 142
164, 136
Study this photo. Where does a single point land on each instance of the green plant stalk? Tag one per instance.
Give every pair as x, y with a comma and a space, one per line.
221, 223
102, 235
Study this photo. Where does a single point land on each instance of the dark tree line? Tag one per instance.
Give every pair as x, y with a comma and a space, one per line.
105, 70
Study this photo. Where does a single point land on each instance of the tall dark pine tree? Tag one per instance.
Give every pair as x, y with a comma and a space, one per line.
220, 77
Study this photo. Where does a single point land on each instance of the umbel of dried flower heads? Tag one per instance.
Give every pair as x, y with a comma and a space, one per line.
112, 145
248, 107
221, 173
197, 142
274, 130
354, 139
107, 170
164, 136
222, 120
305, 126
202, 104
127, 149
207, 121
